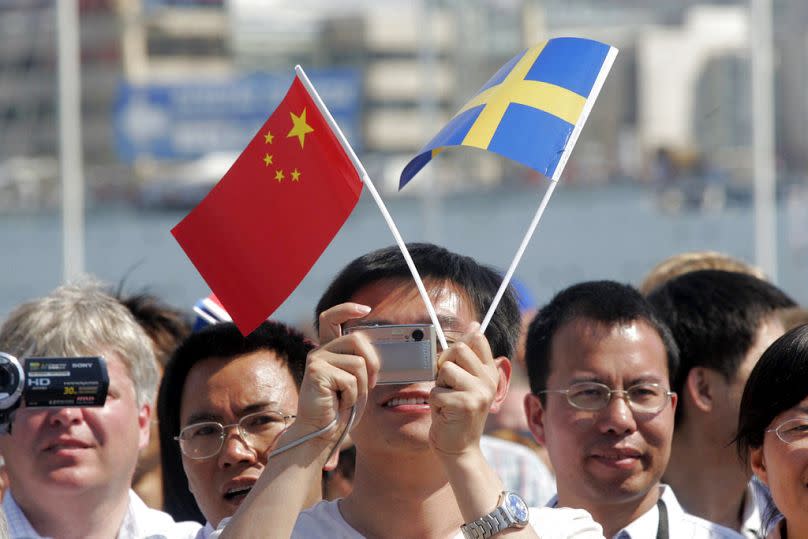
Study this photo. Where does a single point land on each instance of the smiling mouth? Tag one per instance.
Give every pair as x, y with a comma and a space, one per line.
411, 401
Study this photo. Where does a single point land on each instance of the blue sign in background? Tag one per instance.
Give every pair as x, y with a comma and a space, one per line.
191, 119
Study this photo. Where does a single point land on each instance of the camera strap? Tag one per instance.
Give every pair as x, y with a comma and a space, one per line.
311, 435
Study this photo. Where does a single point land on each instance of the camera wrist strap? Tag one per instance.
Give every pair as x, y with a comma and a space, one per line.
311, 435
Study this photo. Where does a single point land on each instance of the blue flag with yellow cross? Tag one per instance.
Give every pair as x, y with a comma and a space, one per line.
532, 110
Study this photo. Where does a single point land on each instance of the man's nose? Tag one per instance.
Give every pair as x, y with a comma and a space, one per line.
235, 449
617, 416
68, 415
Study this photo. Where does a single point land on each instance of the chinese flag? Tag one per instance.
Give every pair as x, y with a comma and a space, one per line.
263, 226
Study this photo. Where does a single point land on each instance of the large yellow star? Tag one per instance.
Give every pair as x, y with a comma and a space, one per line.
295, 175
268, 138
267, 159
299, 127
279, 175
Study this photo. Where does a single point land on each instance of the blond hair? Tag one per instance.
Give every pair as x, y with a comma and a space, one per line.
82, 319
686, 262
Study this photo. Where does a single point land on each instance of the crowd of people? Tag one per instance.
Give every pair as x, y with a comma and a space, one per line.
674, 409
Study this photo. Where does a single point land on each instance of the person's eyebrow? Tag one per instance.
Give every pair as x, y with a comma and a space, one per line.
264, 406
200, 417
581, 378
647, 379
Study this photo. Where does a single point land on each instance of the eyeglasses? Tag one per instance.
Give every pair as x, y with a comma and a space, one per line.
592, 396
259, 431
793, 431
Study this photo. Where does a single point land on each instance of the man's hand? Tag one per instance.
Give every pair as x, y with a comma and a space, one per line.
331, 320
464, 390
338, 375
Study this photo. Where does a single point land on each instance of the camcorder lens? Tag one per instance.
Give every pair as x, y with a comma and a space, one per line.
418, 335
5, 378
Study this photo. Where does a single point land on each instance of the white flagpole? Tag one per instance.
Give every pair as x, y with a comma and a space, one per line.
765, 173
562, 162
518, 257
372, 189
70, 162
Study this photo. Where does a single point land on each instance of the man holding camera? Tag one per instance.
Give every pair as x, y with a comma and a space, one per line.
70, 468
419, 468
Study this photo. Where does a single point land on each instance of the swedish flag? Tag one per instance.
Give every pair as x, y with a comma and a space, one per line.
532, 110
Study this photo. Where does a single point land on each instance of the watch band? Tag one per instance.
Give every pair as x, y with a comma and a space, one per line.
494, 522
485, 526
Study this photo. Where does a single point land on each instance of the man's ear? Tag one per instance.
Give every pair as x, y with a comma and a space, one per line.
144, 425
504, 368
758, 463
700, 388
534, 412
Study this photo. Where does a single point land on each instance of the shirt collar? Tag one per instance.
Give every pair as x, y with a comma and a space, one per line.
643, 526
20, 527
646, 524
18, 524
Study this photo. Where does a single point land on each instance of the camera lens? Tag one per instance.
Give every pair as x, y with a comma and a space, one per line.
5, 377
418, 335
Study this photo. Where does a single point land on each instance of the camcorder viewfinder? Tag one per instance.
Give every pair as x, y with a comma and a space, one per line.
407, 352
52, 382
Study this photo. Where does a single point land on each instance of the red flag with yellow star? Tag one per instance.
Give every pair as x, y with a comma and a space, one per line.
259, 231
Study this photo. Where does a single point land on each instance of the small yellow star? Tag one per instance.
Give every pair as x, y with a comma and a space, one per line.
268, 137
299, 127
279, 175
295, 175
267, 159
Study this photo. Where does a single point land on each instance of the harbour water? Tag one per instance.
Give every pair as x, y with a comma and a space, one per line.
586, 233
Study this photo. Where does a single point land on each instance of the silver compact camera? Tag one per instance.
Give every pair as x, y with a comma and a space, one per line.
407, 352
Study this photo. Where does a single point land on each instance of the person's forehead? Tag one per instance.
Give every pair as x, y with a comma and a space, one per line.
625, 348
119, 371
256, 379
258, 368
398, 301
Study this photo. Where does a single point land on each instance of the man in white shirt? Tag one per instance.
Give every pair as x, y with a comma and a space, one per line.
70, 469
599, 362
722, 322
419, 471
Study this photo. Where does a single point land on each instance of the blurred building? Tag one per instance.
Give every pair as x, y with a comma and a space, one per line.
28, 102
680, 83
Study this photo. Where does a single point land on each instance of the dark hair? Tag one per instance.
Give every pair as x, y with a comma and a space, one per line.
479, 282
217, 341
715, 316
776, 384
164, 324
606, 302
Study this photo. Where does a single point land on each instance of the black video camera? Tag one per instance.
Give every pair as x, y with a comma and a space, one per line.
50, 382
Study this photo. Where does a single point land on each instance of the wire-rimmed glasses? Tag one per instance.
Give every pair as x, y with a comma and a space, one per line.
792, 431
259, 430
646, 398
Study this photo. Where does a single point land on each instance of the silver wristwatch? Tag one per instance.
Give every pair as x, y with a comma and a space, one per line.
511, 512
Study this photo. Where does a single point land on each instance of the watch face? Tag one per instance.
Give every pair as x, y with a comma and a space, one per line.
516, 506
